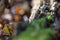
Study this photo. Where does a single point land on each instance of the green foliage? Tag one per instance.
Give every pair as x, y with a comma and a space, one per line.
33, 34
30, 34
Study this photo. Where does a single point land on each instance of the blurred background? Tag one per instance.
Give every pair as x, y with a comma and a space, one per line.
29, 19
